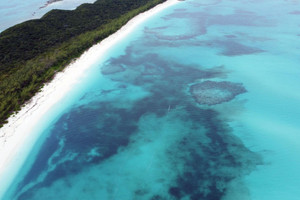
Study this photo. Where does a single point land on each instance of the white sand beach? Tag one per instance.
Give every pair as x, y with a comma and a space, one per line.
17, 134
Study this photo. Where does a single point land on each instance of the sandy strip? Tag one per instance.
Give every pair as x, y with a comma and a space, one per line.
18, 132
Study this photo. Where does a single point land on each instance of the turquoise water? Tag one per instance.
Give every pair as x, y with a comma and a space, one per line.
200, 102
15, 11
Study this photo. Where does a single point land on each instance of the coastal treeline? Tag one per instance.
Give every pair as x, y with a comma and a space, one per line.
33, 51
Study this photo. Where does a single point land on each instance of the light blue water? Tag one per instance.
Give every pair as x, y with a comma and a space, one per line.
200, 102
15, 11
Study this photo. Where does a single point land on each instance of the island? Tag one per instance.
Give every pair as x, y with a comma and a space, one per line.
32, 52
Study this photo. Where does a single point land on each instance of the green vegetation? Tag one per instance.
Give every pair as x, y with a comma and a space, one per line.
31, 52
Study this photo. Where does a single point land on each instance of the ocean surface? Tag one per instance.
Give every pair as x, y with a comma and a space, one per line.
200, 102
13, 12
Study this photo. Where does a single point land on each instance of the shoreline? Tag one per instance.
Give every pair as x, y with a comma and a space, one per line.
19, 130
48, 3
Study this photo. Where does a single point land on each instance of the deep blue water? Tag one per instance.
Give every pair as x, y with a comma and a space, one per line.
200, 102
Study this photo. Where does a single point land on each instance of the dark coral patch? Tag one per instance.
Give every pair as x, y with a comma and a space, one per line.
209, 165
111, 69
233, 48
212, 93
296, 12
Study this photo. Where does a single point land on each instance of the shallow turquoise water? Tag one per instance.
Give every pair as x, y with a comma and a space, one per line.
199, 102
16, 11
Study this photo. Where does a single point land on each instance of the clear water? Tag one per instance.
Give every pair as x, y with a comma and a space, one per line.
200, 102
15, 11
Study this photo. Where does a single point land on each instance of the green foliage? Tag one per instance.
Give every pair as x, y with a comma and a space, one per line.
31, 52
